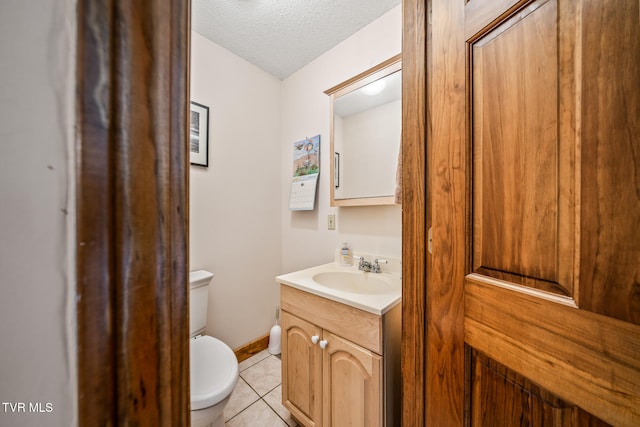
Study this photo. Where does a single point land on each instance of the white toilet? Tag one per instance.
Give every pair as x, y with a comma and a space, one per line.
214, 367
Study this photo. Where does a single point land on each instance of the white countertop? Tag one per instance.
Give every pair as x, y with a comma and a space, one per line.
376, 303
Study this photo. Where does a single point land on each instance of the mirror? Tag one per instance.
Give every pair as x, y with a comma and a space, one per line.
366, 127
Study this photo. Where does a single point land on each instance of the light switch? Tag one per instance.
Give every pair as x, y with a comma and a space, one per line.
331, 222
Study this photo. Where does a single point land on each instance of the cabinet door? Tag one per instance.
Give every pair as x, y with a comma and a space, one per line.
352, 379
301, 370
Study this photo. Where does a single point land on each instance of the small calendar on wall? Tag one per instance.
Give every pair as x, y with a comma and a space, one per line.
306, 169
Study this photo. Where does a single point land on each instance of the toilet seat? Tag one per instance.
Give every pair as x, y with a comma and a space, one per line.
214, 371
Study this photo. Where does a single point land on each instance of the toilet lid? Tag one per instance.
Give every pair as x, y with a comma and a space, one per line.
214, 371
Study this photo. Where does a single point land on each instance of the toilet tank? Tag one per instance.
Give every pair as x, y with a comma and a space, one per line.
198, 298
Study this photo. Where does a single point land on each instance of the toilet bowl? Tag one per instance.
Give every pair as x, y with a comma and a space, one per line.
214, 374
213, 365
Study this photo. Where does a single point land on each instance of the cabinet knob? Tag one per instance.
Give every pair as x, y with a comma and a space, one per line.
314, 339
323, 344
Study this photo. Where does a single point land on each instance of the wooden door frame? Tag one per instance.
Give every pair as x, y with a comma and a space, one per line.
132, 104
433, 348
415, 217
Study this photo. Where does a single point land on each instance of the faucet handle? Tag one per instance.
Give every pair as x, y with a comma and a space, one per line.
376, 265
363, 265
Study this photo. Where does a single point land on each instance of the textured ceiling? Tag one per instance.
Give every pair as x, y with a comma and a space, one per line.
282, 36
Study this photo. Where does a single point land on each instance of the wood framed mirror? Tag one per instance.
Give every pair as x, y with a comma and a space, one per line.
366, 127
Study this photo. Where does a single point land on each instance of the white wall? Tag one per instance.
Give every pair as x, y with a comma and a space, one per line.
305, 112
235, 228
37, 280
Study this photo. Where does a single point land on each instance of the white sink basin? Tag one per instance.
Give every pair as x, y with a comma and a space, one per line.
373, 292
356, 282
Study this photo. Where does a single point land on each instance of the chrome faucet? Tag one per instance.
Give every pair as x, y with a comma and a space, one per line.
375, 268
364, 265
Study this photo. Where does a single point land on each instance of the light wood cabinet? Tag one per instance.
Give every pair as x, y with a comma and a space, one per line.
352, 384
340, 365
301, 369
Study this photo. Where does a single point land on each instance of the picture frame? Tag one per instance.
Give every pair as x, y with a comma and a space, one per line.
199, 135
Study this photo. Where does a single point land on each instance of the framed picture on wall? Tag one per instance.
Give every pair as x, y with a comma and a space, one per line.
199, 135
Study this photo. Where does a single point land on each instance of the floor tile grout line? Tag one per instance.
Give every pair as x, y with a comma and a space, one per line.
253, 403
258, 361
274, 409
260, 397
246, 407
253, 388
249, 406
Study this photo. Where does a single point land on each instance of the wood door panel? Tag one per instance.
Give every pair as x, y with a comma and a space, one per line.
479, 14
584, 358
516, 152
501, 396
610, 172
444, 351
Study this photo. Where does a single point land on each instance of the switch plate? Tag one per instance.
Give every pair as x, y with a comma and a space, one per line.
331, 222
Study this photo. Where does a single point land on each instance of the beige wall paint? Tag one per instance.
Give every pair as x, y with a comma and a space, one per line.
37, 259
305, 112
235, 228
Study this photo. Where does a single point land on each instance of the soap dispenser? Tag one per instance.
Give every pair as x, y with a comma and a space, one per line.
345, 255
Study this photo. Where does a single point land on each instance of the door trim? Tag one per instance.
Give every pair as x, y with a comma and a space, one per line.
132, 212
414, 211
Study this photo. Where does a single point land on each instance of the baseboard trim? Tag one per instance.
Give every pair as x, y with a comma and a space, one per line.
256, 346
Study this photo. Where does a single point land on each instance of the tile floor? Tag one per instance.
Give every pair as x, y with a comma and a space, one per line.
257, 398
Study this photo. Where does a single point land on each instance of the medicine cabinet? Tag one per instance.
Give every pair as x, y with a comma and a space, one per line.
366, 127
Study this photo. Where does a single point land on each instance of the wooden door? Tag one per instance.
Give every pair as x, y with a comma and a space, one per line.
302, 369
352, 379
533, 298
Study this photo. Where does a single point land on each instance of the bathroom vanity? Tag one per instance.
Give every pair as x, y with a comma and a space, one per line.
341, 346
